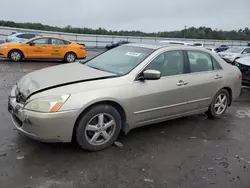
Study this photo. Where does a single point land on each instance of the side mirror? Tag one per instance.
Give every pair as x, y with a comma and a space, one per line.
32, 44
150, 75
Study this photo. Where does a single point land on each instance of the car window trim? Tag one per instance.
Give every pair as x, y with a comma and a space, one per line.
64, 42
167, 50
48, 40
203, 71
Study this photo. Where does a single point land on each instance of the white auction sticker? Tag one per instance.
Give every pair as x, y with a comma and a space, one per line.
134, 54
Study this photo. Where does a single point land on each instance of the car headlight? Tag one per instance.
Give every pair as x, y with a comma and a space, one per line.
47, 104
3, 47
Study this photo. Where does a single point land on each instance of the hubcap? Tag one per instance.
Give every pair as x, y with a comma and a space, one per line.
71, 58
220, 104
16, 56
100, 129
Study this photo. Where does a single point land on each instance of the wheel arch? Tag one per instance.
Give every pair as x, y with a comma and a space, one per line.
124, 127
229, 90
70, 52
17, 50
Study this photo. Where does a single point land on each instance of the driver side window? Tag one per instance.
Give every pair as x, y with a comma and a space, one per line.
168, 63
40, 41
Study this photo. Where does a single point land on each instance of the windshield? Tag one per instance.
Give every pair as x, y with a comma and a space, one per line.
234, 50
120, 60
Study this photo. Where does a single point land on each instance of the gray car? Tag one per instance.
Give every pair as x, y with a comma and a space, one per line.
127, 87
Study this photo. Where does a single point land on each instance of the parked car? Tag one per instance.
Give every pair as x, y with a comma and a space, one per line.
43, 48
221, 48
234, 53
129, 86
116, 44
20, 37
244, 65
198, 44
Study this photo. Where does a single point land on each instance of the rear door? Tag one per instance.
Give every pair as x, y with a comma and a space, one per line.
59, 48
205, 78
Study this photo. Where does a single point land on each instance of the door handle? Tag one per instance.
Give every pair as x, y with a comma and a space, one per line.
218, 76
181, 83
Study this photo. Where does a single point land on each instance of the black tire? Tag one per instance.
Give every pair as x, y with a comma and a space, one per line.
70, 57
211, 112
82, 137
15, 55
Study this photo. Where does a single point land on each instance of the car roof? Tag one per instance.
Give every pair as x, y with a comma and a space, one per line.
157, 46
55, 37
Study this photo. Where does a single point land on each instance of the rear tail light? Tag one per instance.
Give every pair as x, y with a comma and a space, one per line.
240, 76
82, 48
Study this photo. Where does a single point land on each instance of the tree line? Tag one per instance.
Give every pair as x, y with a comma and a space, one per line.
192, 32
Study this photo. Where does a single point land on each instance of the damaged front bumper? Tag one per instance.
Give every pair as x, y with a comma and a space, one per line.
46, 127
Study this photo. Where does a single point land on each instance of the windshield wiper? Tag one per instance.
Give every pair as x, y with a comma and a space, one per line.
117, 74
95, 68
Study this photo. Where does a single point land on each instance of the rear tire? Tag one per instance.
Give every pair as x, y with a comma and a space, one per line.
98, 128
219, 104
15, 55
70, 57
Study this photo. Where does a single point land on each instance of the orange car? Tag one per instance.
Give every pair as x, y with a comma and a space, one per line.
43, 48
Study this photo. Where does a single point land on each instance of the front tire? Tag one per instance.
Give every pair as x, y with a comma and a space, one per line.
219, 104
15, 55
70, 57
98, 128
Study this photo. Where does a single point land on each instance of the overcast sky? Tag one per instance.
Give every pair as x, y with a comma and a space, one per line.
144, 15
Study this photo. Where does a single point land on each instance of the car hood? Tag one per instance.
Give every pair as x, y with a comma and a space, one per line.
244, 61
57, 76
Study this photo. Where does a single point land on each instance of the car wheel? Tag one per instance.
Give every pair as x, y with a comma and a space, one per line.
219, 104
15, 55
70, 57
99, 128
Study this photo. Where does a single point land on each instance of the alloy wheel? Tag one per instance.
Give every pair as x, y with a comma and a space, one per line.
15, 56
100, 129
71, 58
220, 104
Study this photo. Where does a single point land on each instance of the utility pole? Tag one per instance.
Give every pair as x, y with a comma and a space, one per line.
185, 28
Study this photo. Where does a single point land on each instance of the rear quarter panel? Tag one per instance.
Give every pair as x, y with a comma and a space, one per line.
231, 78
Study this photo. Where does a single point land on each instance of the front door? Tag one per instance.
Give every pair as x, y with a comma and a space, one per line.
38, 48
157, 99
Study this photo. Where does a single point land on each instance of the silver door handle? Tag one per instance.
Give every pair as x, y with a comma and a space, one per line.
181, 83
218, 77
